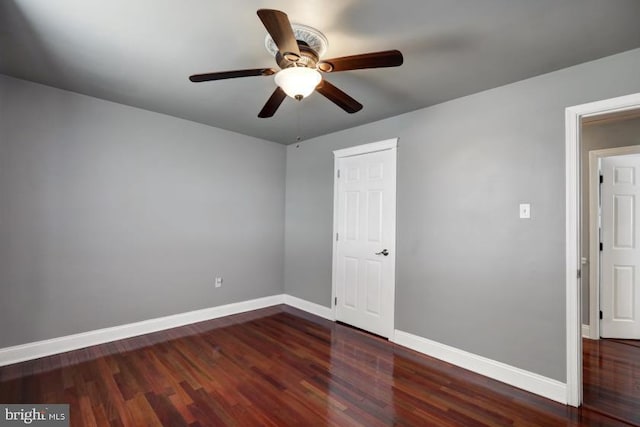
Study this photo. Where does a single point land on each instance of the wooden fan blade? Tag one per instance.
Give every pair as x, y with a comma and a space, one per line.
272, 104
387, 58
279, 28
231, 74
338, 97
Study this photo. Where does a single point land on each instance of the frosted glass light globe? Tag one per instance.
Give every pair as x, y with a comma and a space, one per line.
298, 82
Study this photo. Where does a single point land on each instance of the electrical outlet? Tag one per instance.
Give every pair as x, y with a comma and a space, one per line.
218, 282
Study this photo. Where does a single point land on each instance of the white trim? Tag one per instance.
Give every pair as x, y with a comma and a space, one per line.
573, 119
529, 381
309, 307
334, 246
34, 350
387, 144
367, 148
616, 151
586, 331
572, 235
594, 252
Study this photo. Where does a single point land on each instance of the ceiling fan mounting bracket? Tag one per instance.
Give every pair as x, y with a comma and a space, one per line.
313, 38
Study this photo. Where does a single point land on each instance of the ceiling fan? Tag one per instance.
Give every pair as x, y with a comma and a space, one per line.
297, 50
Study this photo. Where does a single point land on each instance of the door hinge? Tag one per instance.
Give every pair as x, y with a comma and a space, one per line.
338, 173
601, 246
335, 301
336, 237
579, 275
601, 179
601, 314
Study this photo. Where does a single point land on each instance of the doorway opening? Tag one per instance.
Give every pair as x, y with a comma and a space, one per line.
609, 231
574, 119
611, 262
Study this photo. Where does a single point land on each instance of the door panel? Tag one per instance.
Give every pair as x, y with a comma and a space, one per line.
623, 221
352, 215
374, 286
365, 218
374, 213
623, 293
620, 256
351, 279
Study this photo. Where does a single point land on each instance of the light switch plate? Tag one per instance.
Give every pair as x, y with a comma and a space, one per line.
525, 210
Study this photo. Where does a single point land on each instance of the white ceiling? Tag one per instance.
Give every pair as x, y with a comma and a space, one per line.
141, 52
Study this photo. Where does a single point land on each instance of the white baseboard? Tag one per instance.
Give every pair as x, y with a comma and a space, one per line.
309, 307
586, 331
511, 375
529, 381
34, 350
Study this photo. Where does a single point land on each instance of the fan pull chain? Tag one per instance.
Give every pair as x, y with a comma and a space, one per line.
299, 137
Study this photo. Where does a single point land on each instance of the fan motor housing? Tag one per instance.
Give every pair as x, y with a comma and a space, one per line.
311, 42
308, 57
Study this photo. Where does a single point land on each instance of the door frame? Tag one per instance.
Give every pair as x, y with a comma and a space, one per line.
573, 128
387, 144
594, 253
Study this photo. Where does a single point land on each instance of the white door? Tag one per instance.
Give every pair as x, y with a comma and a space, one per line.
366, 240
620, 256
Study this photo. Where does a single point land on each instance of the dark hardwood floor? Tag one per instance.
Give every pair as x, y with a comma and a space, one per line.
611, 378
276, 367
635, 343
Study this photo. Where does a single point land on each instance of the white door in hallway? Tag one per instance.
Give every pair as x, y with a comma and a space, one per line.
364, 251
620, 255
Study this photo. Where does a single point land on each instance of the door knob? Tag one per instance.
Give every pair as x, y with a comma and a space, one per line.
383, 252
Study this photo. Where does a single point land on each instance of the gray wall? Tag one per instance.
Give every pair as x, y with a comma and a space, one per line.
599, 136
470, 274
111, 214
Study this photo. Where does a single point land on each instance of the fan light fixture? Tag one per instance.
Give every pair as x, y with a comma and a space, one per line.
298, 82
298, 49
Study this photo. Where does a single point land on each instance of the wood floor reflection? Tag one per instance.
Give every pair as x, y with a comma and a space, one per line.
275, 367
611, 378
